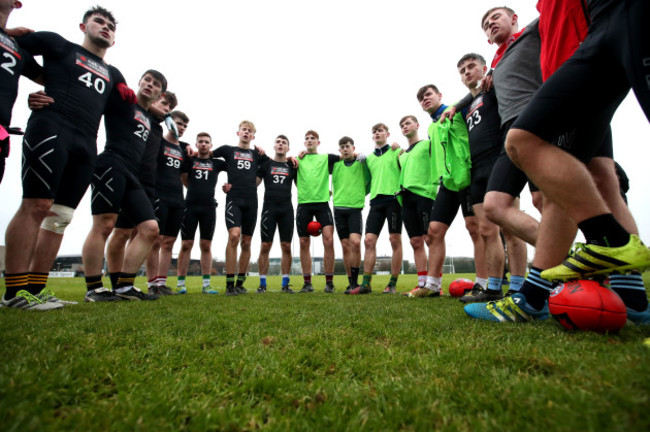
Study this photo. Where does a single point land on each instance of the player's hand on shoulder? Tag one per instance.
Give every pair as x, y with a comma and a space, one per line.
39, 100
226, 187
126, 93
18, 31
293, 161
260, 150
487, 83
190, 151
302, 154
449, 114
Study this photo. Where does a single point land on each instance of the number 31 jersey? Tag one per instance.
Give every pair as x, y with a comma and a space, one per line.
202, 180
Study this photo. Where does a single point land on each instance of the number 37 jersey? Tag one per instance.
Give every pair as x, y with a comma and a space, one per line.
79, 81
278, 177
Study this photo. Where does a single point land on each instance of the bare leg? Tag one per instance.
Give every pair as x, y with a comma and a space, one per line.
328, 245
184, 257
347, 255
494, 253
165, 253
285, 264
206, 256
245, 254
370, 255
139, 247
472, 225
46, 251
437, 248
93, 248
500, 208
396, 261
420, 253
234, 235
305, 256
115, 249
263, 260
22, 232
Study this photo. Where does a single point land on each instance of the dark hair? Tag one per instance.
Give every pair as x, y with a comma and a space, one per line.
471, 56
284, 137
203, 134
346, 140
379, 126
510, 12
406, 117
98, 10
170, 97
312, 132
180, 115
424, 89
158, 76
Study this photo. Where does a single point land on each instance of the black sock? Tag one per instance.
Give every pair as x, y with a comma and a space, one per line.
241, 278
36, 282
230, 280
14, 283
93, 282
604, 230
125, 280
114, 277
354, 278
535, 289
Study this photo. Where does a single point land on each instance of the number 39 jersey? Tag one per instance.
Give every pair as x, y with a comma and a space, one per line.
278, 177
79, 81
202, 180
484, 126
241, 166
168, 179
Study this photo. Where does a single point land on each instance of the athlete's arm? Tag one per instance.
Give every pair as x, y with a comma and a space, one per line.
42, 43
222, 152
331, 160
460, 105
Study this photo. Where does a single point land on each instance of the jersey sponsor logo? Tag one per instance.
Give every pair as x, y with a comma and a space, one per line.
8, 44
476, 104
280, 171
173, 152
93, 66
142, 118
239, 155
203, 165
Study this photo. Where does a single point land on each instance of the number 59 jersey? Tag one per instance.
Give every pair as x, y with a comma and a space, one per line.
79, 81
241, 166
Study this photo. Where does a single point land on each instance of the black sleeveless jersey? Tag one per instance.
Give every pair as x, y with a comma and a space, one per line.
78, 80
278, 178
241, 166
202, 180
484, 126
14, 62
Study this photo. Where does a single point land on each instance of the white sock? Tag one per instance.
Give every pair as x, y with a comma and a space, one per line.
433, 283
481, 281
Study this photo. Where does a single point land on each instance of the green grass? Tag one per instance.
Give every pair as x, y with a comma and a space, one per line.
311, 362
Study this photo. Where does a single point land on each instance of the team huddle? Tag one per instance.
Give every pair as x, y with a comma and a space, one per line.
512, 128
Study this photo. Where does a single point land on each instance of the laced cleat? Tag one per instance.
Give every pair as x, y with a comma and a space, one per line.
639, 318
287, 289
361, 289
165, 291
135, 294
241, 290
425, 292
260, 290
101, 295
183, 290
480, 295
307, 288
231, 291
587, 260
208, 290
25, 300
389, 290
329, 288
410, 293
47, 295
510, 309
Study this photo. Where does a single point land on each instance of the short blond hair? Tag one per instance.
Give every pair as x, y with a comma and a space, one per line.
248, 123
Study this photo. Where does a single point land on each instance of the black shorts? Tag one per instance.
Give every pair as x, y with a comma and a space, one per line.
241, 213
307, 212
574, 143
125, 222
203, 216
58, 160
416, 213
4, 153
280, 215
381, 212
586, 90
348, 221
114, 190
170, 217
480, 176
446, 205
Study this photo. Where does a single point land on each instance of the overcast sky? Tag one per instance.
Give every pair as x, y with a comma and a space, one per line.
337, 67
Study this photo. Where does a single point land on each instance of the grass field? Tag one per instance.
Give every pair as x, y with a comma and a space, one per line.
311, 362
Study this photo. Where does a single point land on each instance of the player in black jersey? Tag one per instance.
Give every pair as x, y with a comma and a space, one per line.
59, 148
200, 178
115, 188
242, 163
14, 62
171, 204
124, 227
278, 175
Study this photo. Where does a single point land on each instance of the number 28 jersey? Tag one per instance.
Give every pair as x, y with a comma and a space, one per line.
241, 166
79, 81
202, 180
